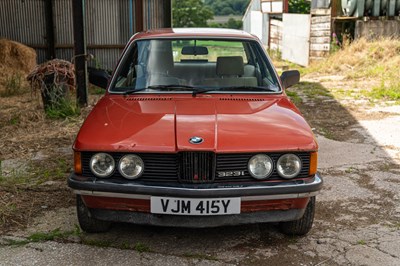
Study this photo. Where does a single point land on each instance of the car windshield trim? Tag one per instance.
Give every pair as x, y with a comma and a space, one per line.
170, 87
243, 89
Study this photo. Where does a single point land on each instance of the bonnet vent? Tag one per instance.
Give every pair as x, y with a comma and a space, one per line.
243, 99
149, 99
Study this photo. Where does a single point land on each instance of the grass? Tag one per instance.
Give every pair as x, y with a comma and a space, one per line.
13, 86
313, 90
97, 243
294, 97
37, 173
46, 236
361, 242
140, 247
63, 109
366, 60
389, 92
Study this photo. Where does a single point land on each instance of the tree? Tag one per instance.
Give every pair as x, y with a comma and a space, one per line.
190, 13
227, 7
299, 6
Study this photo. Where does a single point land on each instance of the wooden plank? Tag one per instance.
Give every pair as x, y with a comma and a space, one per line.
319, 47
321, 11
275, 22
321, 26
320, 40
320, 19
320, 33
319, 53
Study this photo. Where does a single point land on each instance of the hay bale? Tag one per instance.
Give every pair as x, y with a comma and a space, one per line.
15, 59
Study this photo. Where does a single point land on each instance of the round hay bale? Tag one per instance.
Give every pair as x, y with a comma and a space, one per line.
17, 56
16, 61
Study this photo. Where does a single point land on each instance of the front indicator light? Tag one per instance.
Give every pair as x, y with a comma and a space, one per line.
102, 165
131, 166
313, 163
77, 163
288, 166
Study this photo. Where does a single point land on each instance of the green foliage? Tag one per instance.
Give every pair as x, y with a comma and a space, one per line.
231, 24
227, 7
44, 236
190, 13
13, 86
140, 247
294, 97
63, 109
299, 6
388, 92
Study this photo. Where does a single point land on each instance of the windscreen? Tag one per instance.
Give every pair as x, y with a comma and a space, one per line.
188, 64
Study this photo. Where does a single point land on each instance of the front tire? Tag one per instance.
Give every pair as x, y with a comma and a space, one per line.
303, 225
87, 222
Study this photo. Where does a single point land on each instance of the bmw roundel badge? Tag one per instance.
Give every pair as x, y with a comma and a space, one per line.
196, 140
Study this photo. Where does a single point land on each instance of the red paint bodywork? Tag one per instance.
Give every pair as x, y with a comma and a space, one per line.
142, 205
164, 123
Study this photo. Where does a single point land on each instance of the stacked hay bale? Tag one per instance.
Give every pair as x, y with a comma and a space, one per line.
16, 61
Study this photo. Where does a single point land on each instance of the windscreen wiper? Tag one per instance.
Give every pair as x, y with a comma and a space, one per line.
169, 87
234, 88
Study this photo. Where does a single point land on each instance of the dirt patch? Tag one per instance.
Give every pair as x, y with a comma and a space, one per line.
20, 207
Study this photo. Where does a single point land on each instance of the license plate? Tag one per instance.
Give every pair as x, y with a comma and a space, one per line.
185, 206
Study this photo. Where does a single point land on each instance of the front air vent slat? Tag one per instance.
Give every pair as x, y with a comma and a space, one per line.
149, 99
243, 99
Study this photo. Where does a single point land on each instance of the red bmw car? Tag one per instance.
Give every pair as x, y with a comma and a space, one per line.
195, 130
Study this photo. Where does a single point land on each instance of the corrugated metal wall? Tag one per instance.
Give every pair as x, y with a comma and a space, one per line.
108, 25
255, 5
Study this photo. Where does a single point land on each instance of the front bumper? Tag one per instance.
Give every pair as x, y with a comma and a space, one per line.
261, 202
253, 191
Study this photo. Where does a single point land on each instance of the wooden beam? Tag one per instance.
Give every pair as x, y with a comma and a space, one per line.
78, 13
139, 15
50, 39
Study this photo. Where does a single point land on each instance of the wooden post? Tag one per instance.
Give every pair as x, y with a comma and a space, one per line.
139, 15
167, 14
50, 40
78, 12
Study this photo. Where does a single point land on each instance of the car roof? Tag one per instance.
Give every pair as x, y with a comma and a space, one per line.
193, 32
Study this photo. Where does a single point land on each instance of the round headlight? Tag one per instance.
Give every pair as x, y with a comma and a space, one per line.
288, 166
102, 164
260, 166
131, 166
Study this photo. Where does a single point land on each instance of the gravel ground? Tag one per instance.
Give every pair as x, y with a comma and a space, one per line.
357, 220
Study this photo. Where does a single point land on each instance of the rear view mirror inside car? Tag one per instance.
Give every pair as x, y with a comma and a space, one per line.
194, 50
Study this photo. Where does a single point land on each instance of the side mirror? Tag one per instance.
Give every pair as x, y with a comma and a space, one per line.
290, 78
98, 77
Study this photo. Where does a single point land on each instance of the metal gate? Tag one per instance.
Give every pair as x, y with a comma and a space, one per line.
296, 38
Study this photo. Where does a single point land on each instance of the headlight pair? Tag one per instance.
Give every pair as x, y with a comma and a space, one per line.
130, 166
288, 166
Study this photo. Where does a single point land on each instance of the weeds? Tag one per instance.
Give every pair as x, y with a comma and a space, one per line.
390, 92
13, 86
97, 243
361, 242
140, 247
63, 109
44, 236
294, 97
313, 90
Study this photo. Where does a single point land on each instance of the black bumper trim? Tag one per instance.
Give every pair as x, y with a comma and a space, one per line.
197, 221
198, 191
